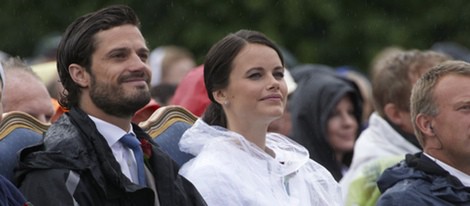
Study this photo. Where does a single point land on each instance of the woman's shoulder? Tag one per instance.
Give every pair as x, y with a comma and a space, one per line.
283, 145
214, 167
316, 169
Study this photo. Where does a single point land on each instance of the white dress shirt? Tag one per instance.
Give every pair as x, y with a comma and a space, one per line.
124, 156
464, 178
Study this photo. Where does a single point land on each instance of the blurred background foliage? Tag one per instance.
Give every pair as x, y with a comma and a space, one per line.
331, 32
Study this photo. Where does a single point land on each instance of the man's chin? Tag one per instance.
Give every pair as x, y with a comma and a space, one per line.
126, 109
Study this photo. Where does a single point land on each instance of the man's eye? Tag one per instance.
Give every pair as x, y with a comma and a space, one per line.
118, 55
465, 107
143, 57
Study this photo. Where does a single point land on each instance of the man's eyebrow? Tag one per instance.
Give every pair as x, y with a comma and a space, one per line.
144, 50
118, 49
462, 103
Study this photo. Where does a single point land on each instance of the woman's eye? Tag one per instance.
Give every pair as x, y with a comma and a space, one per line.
334, 114
279, 75
351, 112
254, 76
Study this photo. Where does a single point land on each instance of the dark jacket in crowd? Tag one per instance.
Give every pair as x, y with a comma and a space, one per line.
9, 194
74, 164
319, 89
418, 180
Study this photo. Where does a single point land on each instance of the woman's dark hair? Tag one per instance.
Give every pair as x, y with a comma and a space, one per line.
218, 66
78, 44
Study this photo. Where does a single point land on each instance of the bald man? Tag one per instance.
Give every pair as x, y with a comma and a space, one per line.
24, 91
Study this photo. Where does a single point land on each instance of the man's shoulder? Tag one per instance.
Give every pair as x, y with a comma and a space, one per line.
62, 143
402, 193
410, 192
61, 132
416, 181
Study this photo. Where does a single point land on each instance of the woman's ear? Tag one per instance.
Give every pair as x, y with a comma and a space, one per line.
220, 96
79, 75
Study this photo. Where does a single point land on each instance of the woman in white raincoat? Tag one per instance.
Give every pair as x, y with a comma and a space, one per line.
237, 162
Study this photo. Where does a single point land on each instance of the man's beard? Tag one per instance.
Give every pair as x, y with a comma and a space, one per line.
113, 100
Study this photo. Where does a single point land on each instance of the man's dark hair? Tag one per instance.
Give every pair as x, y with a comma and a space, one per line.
78, 44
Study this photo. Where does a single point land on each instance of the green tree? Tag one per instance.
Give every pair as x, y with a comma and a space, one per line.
329, 32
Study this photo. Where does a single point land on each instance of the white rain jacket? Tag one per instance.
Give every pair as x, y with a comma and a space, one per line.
378, 141
230, 170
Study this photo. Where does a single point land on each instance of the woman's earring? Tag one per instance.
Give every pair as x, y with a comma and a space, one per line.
226, 102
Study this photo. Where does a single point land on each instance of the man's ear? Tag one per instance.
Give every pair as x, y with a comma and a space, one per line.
425, 124
220, 97
79, 75
393, 113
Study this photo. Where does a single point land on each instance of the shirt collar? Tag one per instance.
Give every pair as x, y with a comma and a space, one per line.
110, 132
464, 178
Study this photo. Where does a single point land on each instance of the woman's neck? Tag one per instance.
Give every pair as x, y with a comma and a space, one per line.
339, 157
255, 133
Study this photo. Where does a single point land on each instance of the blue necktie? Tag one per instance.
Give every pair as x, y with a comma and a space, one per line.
131, 141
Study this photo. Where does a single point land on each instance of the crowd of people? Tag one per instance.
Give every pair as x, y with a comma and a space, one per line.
270, 131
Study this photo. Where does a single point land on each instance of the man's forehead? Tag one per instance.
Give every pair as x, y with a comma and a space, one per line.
119, 37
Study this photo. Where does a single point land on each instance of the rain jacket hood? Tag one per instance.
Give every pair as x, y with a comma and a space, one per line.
317, 94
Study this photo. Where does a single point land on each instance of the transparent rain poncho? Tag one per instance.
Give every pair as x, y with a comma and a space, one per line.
230, 170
